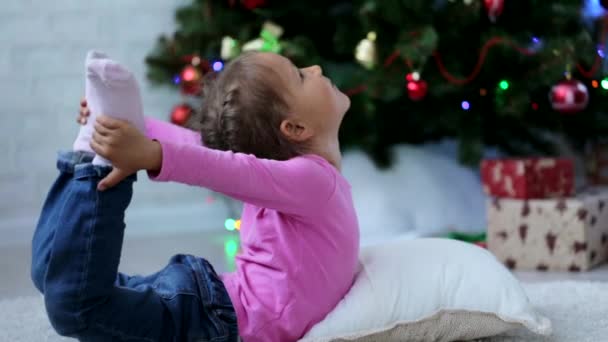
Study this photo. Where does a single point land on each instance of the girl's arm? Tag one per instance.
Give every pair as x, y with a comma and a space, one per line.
165, 131
297, 186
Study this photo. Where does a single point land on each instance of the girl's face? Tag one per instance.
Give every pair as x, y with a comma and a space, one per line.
313, 98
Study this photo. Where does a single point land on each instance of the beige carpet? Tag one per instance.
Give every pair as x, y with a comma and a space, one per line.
578, 310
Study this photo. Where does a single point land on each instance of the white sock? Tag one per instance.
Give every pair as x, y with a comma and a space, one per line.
111, 89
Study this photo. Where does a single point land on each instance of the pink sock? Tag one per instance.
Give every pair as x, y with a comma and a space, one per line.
111, 89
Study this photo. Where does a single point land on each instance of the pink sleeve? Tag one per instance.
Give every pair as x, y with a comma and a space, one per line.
300, 185
166, 131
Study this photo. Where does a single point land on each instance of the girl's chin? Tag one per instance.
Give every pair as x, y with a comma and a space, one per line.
346, 100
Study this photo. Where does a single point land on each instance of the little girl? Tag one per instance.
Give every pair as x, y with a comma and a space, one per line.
270, 135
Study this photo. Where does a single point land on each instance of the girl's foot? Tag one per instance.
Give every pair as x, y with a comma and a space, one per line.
111, 89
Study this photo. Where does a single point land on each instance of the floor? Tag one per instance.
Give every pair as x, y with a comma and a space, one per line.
143, 255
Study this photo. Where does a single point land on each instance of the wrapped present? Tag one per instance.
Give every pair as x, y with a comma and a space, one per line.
528, 178
550, 234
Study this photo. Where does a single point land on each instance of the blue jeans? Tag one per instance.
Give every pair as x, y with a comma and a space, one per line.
75, 255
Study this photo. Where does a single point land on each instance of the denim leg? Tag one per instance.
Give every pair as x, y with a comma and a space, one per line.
79, 239
51, 209
80, 234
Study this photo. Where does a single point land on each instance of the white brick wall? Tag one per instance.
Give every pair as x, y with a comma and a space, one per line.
41, 81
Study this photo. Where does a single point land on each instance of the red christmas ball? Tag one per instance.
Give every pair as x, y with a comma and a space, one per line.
569, 96
180, 114
190, 74
494, 8
253, 4
416, 90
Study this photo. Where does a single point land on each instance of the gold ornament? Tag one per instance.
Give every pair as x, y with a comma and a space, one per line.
365, 53
230, 48
268, 41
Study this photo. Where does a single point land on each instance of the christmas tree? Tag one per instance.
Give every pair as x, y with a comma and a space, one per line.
505, 73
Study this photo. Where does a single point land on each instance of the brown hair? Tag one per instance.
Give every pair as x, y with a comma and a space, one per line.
242, 110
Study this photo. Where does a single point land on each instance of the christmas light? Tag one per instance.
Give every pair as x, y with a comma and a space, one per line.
218, 66
483, 92
534, 105
595, 84
176, 79
237, 224
605, 84
465, 105
504, 84
536, 45
230, 248
230, 224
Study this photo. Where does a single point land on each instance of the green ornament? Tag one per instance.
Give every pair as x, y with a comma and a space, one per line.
268, 41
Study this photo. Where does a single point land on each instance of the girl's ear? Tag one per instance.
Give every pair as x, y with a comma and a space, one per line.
296, 130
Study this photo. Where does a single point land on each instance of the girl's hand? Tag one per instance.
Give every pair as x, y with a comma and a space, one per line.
126, 147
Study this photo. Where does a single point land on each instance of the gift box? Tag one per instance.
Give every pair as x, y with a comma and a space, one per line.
550, 234
528, 178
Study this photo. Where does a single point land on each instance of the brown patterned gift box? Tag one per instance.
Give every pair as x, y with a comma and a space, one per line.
550, 234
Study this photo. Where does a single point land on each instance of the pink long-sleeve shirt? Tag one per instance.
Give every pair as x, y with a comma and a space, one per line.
299, 231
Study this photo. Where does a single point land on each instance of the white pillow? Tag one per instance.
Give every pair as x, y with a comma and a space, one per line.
430, 290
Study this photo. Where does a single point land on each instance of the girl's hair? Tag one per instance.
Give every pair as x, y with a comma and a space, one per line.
242, 110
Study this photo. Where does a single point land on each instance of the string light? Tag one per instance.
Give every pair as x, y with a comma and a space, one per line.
595, 84
537, 45
534, 105
504, 84
465, 105
604, 84
176, 79
230, 224
218, 66
483, 92
230, 248
237, 224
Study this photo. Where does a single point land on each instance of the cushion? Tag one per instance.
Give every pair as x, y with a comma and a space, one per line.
429, 290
